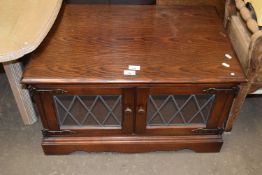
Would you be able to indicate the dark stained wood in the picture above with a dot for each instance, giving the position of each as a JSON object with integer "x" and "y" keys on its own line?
{"x": 180, "y": 50}
{"x": 132, "y": 144}
{"x": 50, "y": 119}
{"x": 129, "y": 110}
{"x": 228, "y": 98}
{"x": 219, "y": 112}
{"x": 136, "y": 2}
{"x": 141, "y": 109}
{"x": 48, "y": 109}
{"x": 135, "y": 99}
{"x": 43, "y": 116}
{"x": 171, "y": 130}
{"x": 95, "y": 43}
{"x": 221, "y": 109}
{"x": 114, "y": 88}
{"x": 218, "y": 4}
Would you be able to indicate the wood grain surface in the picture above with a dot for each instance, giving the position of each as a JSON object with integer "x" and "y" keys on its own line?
{"x": 96, "y": 43}
{"x": 132, "y": 144}
{"x": 218, "y": 4}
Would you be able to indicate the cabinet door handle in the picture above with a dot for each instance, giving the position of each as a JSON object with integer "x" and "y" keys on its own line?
{"x": 141, "y": 110}
{"x": 128, "y": 110}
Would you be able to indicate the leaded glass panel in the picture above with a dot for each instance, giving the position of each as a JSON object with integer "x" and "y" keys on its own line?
{"x": 164, "y": 110}
{"x": 93, "y": 111}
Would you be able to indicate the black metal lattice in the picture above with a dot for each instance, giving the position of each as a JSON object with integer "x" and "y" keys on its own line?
{"x": 96, "y": 111}
{"x": 179, "y": 109}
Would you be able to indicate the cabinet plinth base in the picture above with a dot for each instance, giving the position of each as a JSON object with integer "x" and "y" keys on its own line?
{"x": 132, "y": 144}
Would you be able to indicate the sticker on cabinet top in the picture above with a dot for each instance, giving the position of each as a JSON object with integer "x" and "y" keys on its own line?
{"x": 129, "y": 72}
{"x": 133, "y": 67}
{"x": 228, "y": 56}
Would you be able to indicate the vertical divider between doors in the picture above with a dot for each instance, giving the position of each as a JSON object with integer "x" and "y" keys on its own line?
{"x": 128, "y": 110}
{"x": 141, "y": 109}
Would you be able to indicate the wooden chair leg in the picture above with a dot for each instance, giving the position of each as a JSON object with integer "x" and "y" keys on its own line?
{"x": 24, "y": 103}
{"x": 237, "y": 105}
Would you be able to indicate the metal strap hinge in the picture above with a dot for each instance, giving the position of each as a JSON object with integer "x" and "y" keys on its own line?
{"x": 33, "y": 90}
{"x": 215, "y": 90}
{"x": 47, "y": 132}
{"x": 216, "y": 131}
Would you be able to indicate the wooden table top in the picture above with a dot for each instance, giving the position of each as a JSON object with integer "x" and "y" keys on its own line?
{"x": 96, "y": 43}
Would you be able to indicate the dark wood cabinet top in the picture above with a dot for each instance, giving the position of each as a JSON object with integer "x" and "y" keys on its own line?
{"x": 96, "y": 43}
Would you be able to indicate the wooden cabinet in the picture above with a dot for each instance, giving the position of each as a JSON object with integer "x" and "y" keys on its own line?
{"x": 88, "y": 110}
{"x": 179, "y": 99}
{"x": 124, "y": 113}
{"x": 182, "y": 110}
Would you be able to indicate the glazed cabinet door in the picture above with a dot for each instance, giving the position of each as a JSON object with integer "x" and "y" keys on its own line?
{"x": 182, "y": 110}
{"x": 86, "y": 111}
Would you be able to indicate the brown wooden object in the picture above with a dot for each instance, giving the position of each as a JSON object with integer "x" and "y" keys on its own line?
{"x": 218, "y": 4}
{"x": 247, "y": 42}
{"x": 179, "y": 99}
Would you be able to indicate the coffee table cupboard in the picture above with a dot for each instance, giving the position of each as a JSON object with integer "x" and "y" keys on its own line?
{"x": 179, "y": 99}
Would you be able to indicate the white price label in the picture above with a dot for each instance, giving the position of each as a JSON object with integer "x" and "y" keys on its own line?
{"x": 129, "y": 72}
{"x": 226, "y": 65}
{"x": 133, "y": 67}
{"x": 228, "y": 56}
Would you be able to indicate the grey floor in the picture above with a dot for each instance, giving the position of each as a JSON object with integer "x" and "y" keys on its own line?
{"x": 21, "y": 154}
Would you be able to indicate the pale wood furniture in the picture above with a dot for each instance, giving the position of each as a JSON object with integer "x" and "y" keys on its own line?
{"x": 246, "y": 39}
{"x": 14, "y": 70}
{"x": 23, "y": 25}
{"x": 179, "y": 99}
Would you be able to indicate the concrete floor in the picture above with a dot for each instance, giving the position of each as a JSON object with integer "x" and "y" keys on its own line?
{"x": 21, "y": 153}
